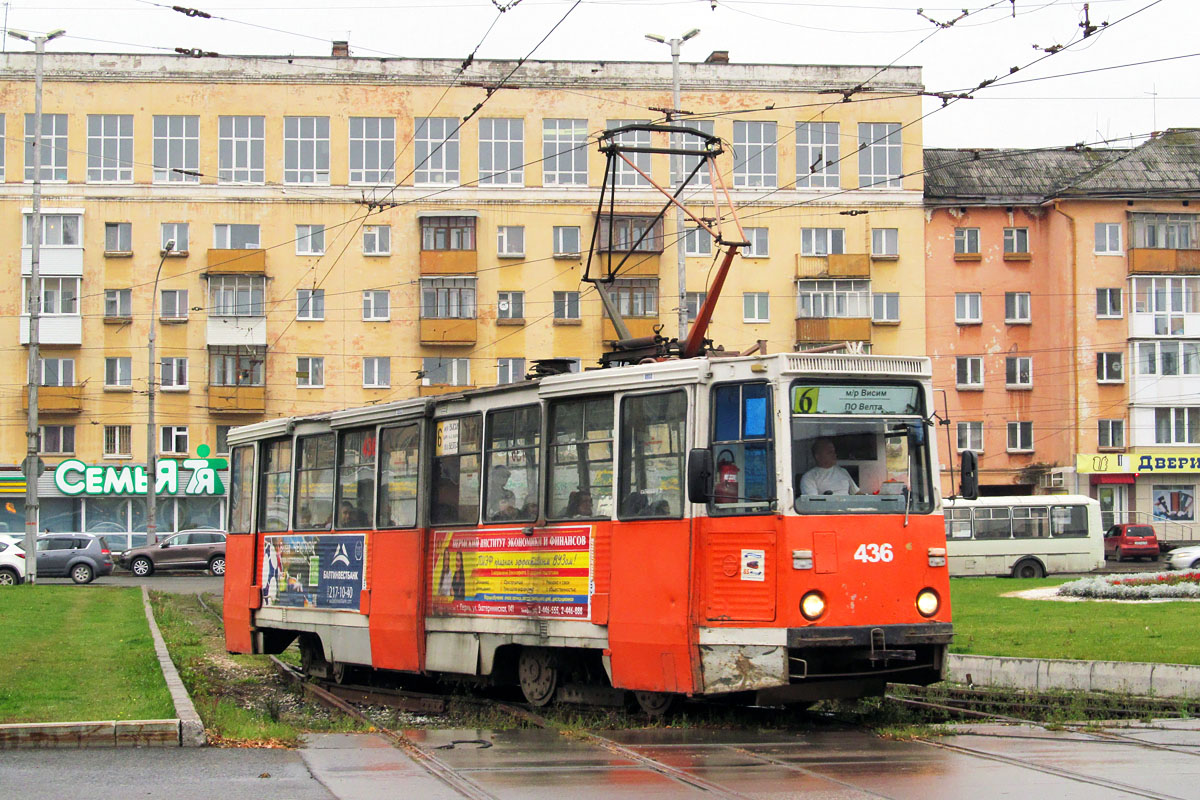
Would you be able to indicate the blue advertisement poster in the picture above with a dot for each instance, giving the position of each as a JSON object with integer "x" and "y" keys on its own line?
{"x": 314, "y": 571}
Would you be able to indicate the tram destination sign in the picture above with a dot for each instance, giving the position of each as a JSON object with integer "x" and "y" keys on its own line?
{"x": 855, "y": 399}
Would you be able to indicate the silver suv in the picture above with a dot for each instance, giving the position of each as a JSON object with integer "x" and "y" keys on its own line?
{"x": 78, "y": 556}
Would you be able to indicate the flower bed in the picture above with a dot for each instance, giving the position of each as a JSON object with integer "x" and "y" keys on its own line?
{"x": 1146, "y": 586}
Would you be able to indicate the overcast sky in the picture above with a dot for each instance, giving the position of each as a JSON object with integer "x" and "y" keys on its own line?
{"x": 1111, "y": 104}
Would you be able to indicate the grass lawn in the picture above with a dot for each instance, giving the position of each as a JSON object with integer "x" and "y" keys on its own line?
{"x": 987, "y": 624}
{"x": 74, "y": 653}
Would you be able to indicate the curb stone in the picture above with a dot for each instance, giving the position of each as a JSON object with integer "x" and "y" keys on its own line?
{"x": 191, "y": 728}
{"x": 1131, "y": 677}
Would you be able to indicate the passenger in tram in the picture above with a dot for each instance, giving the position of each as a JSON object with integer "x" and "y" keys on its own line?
{"x": 500, "y": 498}
{"x": 350, "y": 517}
{"x": 579, "y": 504}
{"x": 827, "y": 477}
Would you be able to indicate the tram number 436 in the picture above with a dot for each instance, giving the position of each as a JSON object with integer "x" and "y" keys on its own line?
{"x": 873, "y": 553}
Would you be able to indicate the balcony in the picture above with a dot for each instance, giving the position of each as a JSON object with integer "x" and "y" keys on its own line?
{"x": 237, "y": 262}
{"x": 449, "y": 262}
{"x": 638, "y": 327}
{"x": 53, "y": 261}
{"x": 237, "y": 332}
{"x": 55, "y": 330}
{"x": 836, "y": 265}
{"x": 237, "y": 399}
{"x": 56, "y": 400}
{"x": 448, "y": 331}
{"x": 1162, "y": 260}
{"x": 833, "y": 329}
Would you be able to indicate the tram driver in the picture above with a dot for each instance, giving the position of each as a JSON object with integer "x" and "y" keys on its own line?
{"x": 827, "y": 477}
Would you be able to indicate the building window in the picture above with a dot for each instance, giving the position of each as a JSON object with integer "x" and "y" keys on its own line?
{"x": 241, "y": 150}
{"x": 58, "y": 230}
{"x": 1017, "y": 308}
{"x": 822, "y": 241}
{"x": 564, "y": 152}
{"x": 235, "y": 237}
{"x": 1168, "y": 358}
{"x": 56, "y": 439}
{"x": 501, "y": 152}
{"x": 510, "y": 241}
{"x": 969, "y": 372}
{"x": 833, "y": 298}
{"x": 818, "y": 155}
{"x": 1111, "y": 434}
{"x": 372, "y": 150}
{"x": 110, "y": 148}
{"x": 759, "y": 240}
{"x": 693, "y": 301}
{"x": 118, "y": 237}
{"x": 635, "y": 297}
{"x": 58, "y": 372}
{"x": 885, "y": 242}
{"x": 447, "y": 233}
{"x": 885, "y": 307}
{"x": 1177, "y": 425}
{"x": 566, "y": 305}
{"x": 566, "y": 241}
{"x": 1018, "y": 372}
{"x": 306, "y": 150}
{"x": 1020, "y": 437}
{"x": 236, "y": 366}
{"x": 118, "y": 441}
{"x": 310, "y": 372}
{"x": 436, "y": 143}
{"x": 697, "y": 242}
{"x": 510, "y": 305}
{"x": 1165, "y": 231}
{"x": 222, "y": 446}
{"x": 682, "y": 166}
{"x": 176, "y": 232}
{"x": 118, "y": 372}
{"x": 1108, "y": 367}
{"x": 118, "y": 303}
{"x": 966, "y": 241}
{"x": 235, "y": 295}
{"x": 879, "y": 155}
{"x": 173, "y": 439}
{"x": 377, "y": 240}
{"x": 754, "y": 154}
{"x": 510, "y": 370}
{"x": 756, "y": 307}
{"x": 1108, "y": 303}
{"x": 621, "y": 234}
{"x": 1016, "y": 241}
{"x": 174, "y": 373}
{"x": 310, "y": 240}
{"x": 970, "y": 436}
{"x": 377, "y": 372}
{"x": 3, "y": 137}
{"x": 623, "y": 174}
{"x": 445, "y": 371}
{"x": 376, "y": 306}
{"x": 176, "y": 149}
{"x": 968, "y": 308}
{"x": 447, "y": 298}
{"x": 310, "y": 304}
{"x": 60, "y": 297}
{"x": 174, "y": 304}
{"x": 54, "y": 147}
{"x": 1108, "y": 238}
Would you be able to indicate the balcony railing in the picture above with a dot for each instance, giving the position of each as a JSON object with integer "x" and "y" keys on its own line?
{"x": 56, "y": 400}
{"x": 237, "y": 399}
{"x": 1163, "y": 260}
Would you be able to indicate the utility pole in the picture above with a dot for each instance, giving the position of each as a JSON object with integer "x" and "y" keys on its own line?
{"x": 151, "y": 453}
{"x": 677, "y": 169}
{"x": 34, "y": 301}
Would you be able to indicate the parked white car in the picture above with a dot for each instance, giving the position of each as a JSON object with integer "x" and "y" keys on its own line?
{"x": 12, "y": 564}
{"x": 1184, "y": 557}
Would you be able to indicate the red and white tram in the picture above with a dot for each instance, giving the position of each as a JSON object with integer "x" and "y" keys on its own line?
{"x": 641, "y": 528}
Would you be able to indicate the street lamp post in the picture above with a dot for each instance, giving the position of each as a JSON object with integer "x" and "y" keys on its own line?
{"x": 34, "y": 302}
{"x": 677, "y": 170}
{"x": 151, "y": 455}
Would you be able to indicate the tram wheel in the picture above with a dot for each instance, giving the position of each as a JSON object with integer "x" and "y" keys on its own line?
{"x": 655, "y": 704}
{"x": 537, "y": 669}
{"x": 338, "y": 672}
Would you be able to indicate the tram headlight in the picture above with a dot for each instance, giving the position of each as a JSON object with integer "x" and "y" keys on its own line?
{"x": 928, "y": 602}
{"x": 812, "y": 605}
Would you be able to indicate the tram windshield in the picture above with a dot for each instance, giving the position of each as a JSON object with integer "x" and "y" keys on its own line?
{"x": 859, "y": 448}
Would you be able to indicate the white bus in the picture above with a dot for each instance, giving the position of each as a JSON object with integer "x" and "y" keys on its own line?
{"x": 1025, "y": 537}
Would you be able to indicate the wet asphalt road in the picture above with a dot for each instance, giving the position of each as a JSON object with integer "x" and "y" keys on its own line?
{"x": 180, "y": 582}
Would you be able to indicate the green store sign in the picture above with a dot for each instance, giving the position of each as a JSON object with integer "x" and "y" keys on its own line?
{"x": 73, "y": 477}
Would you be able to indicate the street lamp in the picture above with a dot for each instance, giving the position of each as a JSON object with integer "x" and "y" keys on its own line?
{"x": 34, "y": 301}
{"x": 151, "y": 454}
{"x": 677, "y": 169}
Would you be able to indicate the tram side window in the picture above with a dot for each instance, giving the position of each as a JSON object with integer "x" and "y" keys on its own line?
{"x": 241, "y": 489}
{"x": 1067, "y": 521}
{"x": 275, "y": 491}
{"x": 314, "y": 482}
{"x": 356, "y": 479}
{"x": 992, "y": 523}
{"x": 513, "y": 441}
{"x": 650, "y": 472}
{"x": 456, "y": 471}
{"x": 399, "y": 465}
{"x": 1031, "y": 522}
{"x": 581, "y": 458}
{"x": 742, "y": 449}
{"x": 958, "y": 523}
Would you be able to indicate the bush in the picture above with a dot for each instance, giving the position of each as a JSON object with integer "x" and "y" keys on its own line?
{"x": 1151, "y": 586}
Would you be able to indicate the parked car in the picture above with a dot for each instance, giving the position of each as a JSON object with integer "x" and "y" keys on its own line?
{"x": 1131, "y": 541}
{"x": 78, "y": 556}
{"x": 197, "y": 549}
{"x": 12, "y": 564}
{"x": 1184, "y": 557}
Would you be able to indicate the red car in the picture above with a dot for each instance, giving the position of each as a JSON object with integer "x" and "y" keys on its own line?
{"x": 1131, "y": 541}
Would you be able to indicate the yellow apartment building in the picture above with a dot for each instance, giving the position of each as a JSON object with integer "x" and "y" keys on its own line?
{"x": 350, "y": 231}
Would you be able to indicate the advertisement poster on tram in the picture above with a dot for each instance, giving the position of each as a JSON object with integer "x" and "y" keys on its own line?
{"x": 506, "y": 573}
{"x": 314, "y": 571}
